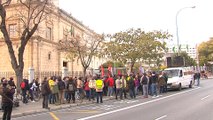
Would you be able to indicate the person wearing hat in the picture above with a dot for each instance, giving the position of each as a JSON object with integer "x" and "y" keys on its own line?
{"x": 7, "y": 99}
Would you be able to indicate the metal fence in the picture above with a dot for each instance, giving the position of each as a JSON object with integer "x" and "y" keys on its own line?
{"x": 42, "y": 74}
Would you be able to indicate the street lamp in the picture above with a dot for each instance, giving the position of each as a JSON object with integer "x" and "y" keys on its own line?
{"x": 178, "y": 44}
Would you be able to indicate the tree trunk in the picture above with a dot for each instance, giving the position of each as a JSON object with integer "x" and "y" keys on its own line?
{"x": 84, "y": 71}
{"x": 19, "y": 76}
{"x": 131, "y": 67}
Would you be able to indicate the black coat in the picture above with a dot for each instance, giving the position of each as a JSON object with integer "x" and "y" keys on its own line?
{"x": 45, "y": 89}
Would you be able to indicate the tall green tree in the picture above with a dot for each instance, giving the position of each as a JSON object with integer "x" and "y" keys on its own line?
{"x": 135, "y": 45}
{"x": 205, "y": 50}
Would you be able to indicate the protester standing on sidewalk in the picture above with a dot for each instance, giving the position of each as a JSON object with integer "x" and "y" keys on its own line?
{"x": 145, "y": 82}
{"x": 118, "y": 84}
{"x": 61, "y": 87}
{"x": 7, "y": 99}
{"x": 137, "y": 84}
{"x": 71, "y": 88}
{"x": 124, "y": 86}
{"x": 131, "y": 85}
{"x": 99, "y": 89}
{"x": 87, "y": 88}
{"x": 45, "y": 91}
{"x": 92, "y": 86}
{"x": 161, "y": 83}
{"x": 110, "y": 86}
{"x": 154, "y": 80}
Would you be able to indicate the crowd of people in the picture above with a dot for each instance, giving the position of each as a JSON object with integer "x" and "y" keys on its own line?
{"x": 56, "y": 90}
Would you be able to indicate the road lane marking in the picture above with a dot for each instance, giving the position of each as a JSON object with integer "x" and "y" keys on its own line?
{"x": 54, "y": 116}
{"x": 161, "y": 117}
{"x": 205, "y": 97}
{"x": 133, "y": 106}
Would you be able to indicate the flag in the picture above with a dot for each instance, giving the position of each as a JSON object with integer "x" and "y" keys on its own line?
{"x": 141, "y": 70}
{"x": 102, "y": 71}
{"x": 173, "y": 49}
{"x": 109, "y": 69}
{"x": 119, "y": 72}
{"x": 179, "y": 47}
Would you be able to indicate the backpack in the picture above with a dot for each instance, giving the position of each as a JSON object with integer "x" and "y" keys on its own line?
{"x": 144, "y": 80}
{"x": 23, "y": 85}
{"x": 61, "y": 85}
{"x": 99, "y": 84}
{"x": 70, "y": 87}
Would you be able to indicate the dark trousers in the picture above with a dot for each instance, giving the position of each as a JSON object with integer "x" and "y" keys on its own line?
{"x": 24, "y": 94}
{"x": 99, "y": 95}
{"x": 132, "y": 92}
{"x": 119, "y": 93}
{"x": 7, "y": 109}
{"x": 45, "y": 101}
{"x": 92, "y": 93}
{"x": 71, "y": 95}
{"x": 124, "y": 92}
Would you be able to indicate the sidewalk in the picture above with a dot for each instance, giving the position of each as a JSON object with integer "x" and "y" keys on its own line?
{"x": 36, "y": 107}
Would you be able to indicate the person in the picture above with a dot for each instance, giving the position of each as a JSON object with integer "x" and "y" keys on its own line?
{"x": 87, "y": 88}
{"x": 61, "y": 87}
{"x": 145, "y": 82}
{"x": 51, "y": 84}
{"x": 137, "y": 84}
{"x": 161, "y": 83}
{"x": 33, "y": 88}
{"x": 92, "y": 87}
{"x": 7, "y": 99}
{"x": 110, "y": 86}
{"x": 45, "y": 91}
{"x": 198, "y": 78}
{"x": 118, "y": 84}
{"x": 131, "y": 86}
{"x": 166, "y": 80}
{"x": 71, "y": 88}
{"x": 124, "y": 86}
{"x": 25, "y": 88}
{"x": 99, "y": 89}
{"x": 153, "y": 80}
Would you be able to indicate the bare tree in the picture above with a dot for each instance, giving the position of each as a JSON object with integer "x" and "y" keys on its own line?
{"x": 30, "y": 14}
{"x": 84, "y": 48}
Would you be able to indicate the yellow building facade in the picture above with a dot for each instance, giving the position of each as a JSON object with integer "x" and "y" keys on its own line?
{"x": 41, "y": 53}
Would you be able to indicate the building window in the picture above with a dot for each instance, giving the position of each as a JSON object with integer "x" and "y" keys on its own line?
{"x": 64, "y": 64}
{"x": 48, "y": 33}
{"x": 49, "y": 56}
{"x": 72, "y": 31}
{"x": 12, "y": 30}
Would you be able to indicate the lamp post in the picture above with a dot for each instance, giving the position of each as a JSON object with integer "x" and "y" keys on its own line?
{"x": 178, "y": 44}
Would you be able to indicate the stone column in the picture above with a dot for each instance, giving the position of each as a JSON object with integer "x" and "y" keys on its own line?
{"x": 31, "y": 74}
{"x": 64, "y": 72}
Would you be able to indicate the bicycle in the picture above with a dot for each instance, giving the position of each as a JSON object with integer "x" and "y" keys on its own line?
{"x": 80, "y": 95}
{"x": 36, "y": 95}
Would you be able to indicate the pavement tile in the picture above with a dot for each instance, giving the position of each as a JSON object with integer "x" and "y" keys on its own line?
{"x": 36, "y": 107}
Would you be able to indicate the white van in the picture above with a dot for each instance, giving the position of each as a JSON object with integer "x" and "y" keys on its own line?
{"x": 179, "y": 77}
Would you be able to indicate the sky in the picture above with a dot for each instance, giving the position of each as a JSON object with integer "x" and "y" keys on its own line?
{"x": 111, "y": 16}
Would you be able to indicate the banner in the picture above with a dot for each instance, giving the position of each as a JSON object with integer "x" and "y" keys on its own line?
{"x": 102, "y": 71}
{"x": 110, "y": 69}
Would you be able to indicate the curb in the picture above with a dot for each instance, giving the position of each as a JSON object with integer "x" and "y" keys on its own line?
{"x": 55, "y": 108}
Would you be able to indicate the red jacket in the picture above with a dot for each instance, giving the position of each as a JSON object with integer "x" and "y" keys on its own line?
{"x": 111, "y": 82}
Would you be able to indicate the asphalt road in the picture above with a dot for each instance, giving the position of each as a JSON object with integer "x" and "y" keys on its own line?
{"x": 189, "y": 104}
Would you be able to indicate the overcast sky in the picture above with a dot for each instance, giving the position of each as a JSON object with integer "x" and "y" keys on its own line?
{"x": 111, "y": 16}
